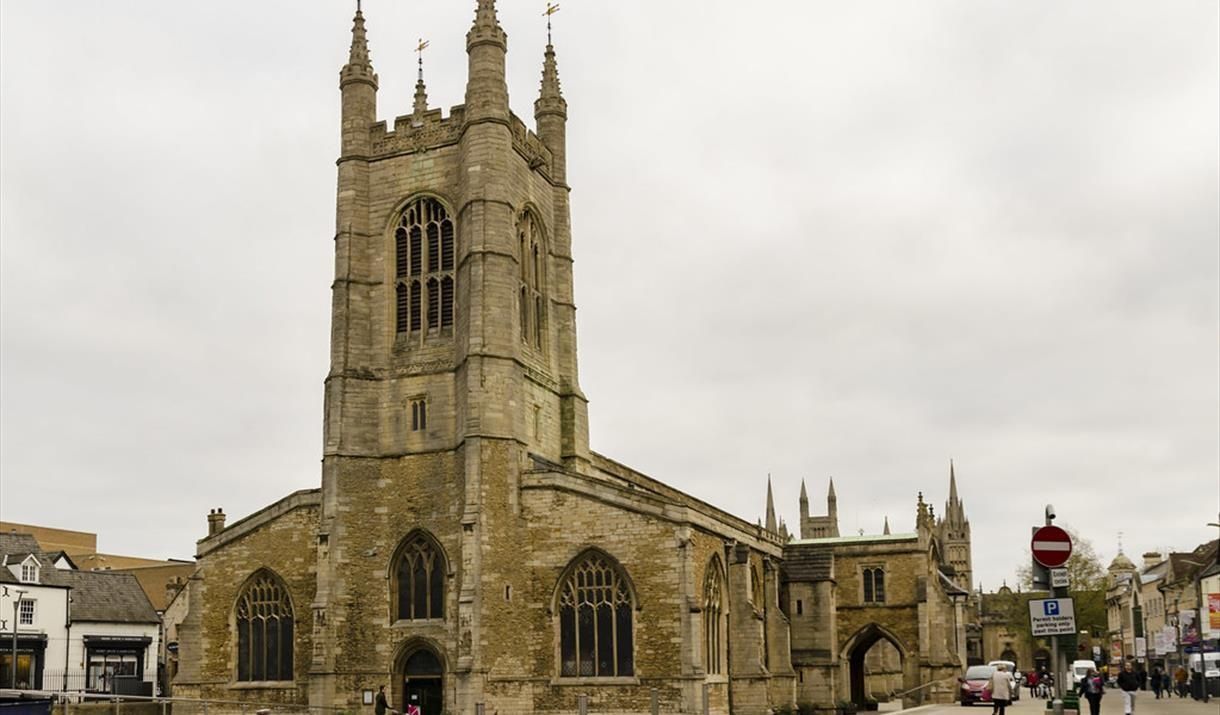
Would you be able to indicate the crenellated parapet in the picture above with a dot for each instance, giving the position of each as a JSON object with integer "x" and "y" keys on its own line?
{"x": 414, "y": 133}
{"x": 530, "y": 147}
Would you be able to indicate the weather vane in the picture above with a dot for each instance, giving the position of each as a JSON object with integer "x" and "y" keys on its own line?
{"x": 550, "y": 10}
{"x": 419, "y": 50}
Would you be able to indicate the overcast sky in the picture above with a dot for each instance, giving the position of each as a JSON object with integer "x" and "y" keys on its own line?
{"x": 812, "y": 239}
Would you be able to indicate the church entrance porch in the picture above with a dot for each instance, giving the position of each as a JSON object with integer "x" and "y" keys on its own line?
{"x": 422, "y": 683}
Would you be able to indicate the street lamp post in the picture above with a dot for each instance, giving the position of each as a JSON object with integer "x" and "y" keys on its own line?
{"x": 17, "y": 594}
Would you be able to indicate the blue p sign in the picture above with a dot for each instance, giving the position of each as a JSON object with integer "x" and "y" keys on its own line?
{"x": 1051, "y": 608}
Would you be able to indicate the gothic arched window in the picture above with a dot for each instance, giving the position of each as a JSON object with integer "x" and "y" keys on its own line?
{"x": 419, "y": 579}
{"x": 264, "y": 630}
{"x": 424, "y": 267}
{"x": 874, "y": 585}
{"x": 713, "y": 617}
{"x": 595, "y": 619}
{"x": 531, "y": 256}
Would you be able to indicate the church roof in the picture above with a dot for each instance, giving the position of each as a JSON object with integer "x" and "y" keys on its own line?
{"x": 808, "y": 564}
{"x": 861, "y": 539}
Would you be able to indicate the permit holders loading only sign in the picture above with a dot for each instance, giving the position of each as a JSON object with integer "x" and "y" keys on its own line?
{"x": 1052, "y": 617}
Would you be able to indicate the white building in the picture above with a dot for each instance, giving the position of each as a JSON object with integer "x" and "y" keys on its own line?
{"x": 76, "y": 630}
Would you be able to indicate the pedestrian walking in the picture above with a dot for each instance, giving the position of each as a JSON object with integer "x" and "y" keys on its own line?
{"x": 1001, "y": 689}
{"x": 1180, "y": 676}
{"x": 1092, "y": 687}
{"x": 1128, "y": 682}
{"x": 1142, "y": 675}
{"x": 380, "y": 706}
{"x": 1156, "y": 681}
{"x": 1167, "y": 683}
{"x": 1032, "y": 681}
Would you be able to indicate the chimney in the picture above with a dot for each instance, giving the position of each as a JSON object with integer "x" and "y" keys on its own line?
{"x": 1151, "y": 558}
{"x": 216, "y": 521}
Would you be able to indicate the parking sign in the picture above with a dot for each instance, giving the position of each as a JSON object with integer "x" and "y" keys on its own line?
{"x": 1052, "y": 617}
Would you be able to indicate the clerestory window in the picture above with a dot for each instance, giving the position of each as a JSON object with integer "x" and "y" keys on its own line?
{"x": 424, "y": 268}
{"x": 531, "y": 258}
{"x": 264, "y": 630}
{"x": 595, "y": 619}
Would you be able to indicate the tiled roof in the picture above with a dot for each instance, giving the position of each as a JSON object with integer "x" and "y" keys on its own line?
{"x": 97, "y": 596}
{"x": 102, "y": 596}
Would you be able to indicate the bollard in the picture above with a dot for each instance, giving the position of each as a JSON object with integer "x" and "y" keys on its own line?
{"x": 582, "y": 704}
{"x": 654, "y": 702}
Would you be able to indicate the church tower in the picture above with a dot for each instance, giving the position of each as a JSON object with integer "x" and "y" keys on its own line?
{"x": 453, "y": 350}
{"x": 953, "y": 532}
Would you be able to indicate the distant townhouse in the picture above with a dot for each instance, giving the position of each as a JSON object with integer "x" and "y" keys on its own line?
{"x": 76, "y": 630}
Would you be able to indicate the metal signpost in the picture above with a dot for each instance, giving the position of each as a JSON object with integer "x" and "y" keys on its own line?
{"x": 1051, "y": 548}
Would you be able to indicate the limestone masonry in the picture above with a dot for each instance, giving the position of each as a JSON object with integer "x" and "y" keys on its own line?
{"x": 466, "y": 547}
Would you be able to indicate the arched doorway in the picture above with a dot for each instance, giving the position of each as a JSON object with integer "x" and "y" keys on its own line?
{"x": 423, "y": 680}
{"x": 1042, "y": 660}
{"x": 875, "y": 675}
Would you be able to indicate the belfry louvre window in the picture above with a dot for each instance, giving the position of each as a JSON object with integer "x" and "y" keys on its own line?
{"x": 424, "y": 264}
{"x": 420, "y": 579}
{"x": 874, "y": 585}
{"x": 264, "y": 630}
{"x": 531, "y": 255}
{"x": 713, "y": 614}
{"x": 595, "y": 620}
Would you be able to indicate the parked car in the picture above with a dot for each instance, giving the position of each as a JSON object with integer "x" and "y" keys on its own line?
{"x": 1014, "y": 676}
{"x": 976, "y": 685}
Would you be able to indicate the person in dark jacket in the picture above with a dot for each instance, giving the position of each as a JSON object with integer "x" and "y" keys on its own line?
{"x": 1128, "y": 682}
{"x": 1156, "y": 681}
{"x": 381, "y": 707}
{"x": 1092, "y": 687}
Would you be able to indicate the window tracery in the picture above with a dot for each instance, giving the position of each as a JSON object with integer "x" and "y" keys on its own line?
{"x": 420, "y": 579}
{"x": 264, "y": 630}
{"x": 424, "y": 267}
{"x": 531, "y": 254}
{"x": 713, "y": 614}
{"x": 595, "y": 620}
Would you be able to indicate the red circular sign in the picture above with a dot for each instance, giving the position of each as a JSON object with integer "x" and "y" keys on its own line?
{"x": 1051, "y": 546}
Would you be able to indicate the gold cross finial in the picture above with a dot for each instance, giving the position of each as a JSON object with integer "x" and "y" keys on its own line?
{"x": 551, "y": 9}
{"x": 419, "y": 50}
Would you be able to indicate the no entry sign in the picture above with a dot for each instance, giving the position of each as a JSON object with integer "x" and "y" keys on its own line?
{"x": 1051, "y": 546}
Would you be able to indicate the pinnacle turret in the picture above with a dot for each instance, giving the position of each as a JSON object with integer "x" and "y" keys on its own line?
{"x": 886, "y": 530}
{"x": 486, "y": 46}
{"x": 486, "y": 25}
{"x": 359, "y": 67}
{"x": 358, "y": 55}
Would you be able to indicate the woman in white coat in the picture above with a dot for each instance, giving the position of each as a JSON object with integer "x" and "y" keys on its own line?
{"x": 1001, "y": 689}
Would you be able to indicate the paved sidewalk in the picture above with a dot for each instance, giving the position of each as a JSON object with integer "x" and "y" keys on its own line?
{"x": 1111, "y": 704}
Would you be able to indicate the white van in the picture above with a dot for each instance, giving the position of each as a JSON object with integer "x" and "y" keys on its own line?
{"x": 1213, "y": 664}
{"x": 1080, "y": 668}
{"x": 1014, "y": 676}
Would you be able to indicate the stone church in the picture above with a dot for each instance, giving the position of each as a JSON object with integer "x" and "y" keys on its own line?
{"x": 466, "y": 548}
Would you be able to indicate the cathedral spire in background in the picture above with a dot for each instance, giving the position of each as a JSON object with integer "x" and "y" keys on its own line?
{"x": 886, "y": 530}
{"x": 771, "y": 525}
